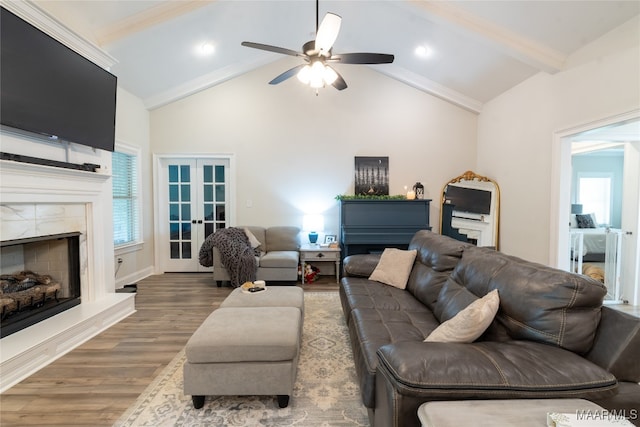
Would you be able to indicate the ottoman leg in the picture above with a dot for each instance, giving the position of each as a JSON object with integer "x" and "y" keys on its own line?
{"x": 283, "y": 400}
{"x": 198, "y": 401}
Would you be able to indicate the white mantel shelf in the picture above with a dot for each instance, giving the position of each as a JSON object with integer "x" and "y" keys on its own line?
{"x": 26, "y": 351}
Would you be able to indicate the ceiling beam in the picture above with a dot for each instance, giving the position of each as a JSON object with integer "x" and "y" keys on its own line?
{"x": 146, "y": 19}
{"x": 526, "y": 50}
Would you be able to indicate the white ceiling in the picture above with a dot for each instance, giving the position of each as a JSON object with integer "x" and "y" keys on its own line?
{"x": 479, "y": 48}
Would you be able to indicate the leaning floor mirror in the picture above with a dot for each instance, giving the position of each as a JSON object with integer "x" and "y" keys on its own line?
{"x": 471, "y": 210}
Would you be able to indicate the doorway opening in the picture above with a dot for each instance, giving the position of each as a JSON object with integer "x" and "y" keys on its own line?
{"x": 595, "y": 214}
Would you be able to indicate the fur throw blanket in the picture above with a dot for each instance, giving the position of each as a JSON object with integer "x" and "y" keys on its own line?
{"x": 236, "y": 253}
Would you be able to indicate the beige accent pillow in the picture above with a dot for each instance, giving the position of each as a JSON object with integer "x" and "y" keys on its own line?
{"x": 394, "y": 267}
{"x": 253, "y": 240}
{"x": 470, "y": 323}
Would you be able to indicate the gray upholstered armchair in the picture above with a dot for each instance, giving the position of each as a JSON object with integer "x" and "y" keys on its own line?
{"x": 278, "y": 254}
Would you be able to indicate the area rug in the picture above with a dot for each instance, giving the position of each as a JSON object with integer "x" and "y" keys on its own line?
{"x": 326, "y": 392}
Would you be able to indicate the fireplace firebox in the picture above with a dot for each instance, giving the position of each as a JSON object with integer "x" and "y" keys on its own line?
{"x": 40, "y": 277}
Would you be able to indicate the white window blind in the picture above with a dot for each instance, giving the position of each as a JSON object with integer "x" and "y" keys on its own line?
{"x": 594, "y": 193}
{"x": 126, "y": 218}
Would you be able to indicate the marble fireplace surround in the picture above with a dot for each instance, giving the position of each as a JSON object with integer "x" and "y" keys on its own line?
{"x": 40, "y": 200}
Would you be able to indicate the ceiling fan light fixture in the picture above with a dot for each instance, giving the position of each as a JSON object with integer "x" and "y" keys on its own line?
{"x": 304, "y": 75}
{"x": 316, "y": 80}
{"x": 329, "y": 75}
{"x": 317, "y": 75}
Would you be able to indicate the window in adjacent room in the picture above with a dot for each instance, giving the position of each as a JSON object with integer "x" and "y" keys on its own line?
{"x": 125, "y": 170}
{"x": 594, "y": 193}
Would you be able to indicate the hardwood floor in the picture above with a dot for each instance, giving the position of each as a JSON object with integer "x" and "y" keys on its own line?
{"x": 95, "y": 383}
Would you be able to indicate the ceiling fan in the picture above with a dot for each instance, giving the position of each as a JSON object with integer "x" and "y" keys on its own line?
{"x": 316, "y": 71}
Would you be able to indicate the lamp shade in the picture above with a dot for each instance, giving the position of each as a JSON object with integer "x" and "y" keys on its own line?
{"x": 313, "y": 223}
{"x": 576, "y": 208}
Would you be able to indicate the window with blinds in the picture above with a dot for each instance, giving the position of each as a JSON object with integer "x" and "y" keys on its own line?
{"x": 126, "y": 209}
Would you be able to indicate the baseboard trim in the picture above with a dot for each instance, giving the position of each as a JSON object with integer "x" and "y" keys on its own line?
{"x": 134, "y": 277}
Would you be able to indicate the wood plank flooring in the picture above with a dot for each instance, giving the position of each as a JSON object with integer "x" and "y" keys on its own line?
{"x": 95, "y": 383}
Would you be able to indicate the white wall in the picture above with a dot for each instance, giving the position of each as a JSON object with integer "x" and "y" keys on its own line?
{"x": 132, "y": 128}
{"x": 295, "y": 151}
{"x": 515, "y": 131}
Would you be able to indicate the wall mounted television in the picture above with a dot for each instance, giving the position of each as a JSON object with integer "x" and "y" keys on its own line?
{"x": 469, "y": 199}
{"x": 49, "y": 89}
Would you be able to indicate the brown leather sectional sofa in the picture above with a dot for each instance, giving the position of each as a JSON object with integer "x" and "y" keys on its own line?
{"x": 551, "y": 337}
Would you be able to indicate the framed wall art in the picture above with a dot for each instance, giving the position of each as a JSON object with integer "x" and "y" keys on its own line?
{"x": 372, "y": 176}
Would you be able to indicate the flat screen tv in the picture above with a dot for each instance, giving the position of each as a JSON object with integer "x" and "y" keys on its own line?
{"x": 469, "y": 199}
{"x": 49, "y": 89}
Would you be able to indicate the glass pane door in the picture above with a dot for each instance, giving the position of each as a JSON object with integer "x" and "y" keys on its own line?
{"x": 180, "y": 189}
{"x": 195, "y": 194}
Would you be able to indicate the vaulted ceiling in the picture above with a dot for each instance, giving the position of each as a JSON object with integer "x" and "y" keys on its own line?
{"x": 472, "y": 51}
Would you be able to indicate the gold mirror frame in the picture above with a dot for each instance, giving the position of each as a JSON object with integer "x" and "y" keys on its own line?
{"x": 472, "y": 176}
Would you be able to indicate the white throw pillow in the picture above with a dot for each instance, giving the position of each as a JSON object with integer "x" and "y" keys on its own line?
{"x": 394, "y": 267}
{"x": 253, "y": 240}
{"x": 470, "y": 323}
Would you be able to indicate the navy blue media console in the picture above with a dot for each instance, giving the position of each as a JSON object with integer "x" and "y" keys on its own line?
{"x": 369, "y": 226}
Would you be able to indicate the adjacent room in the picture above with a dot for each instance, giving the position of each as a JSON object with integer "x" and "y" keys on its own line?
{"x": 257, "y": 212}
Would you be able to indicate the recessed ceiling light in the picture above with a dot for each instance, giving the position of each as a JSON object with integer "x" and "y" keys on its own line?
{"x": 205, "y": 49}
{"x": 423, "y": 51}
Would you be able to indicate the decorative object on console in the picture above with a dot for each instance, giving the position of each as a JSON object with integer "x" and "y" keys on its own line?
{"x": 411, "y": 194}
{"x": 418, "y": 189}
{"x": 471, "y": 209}
{"x": 372, "y": 175}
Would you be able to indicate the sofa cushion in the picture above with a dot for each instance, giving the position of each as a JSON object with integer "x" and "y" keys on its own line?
{"x": 279, "y": 259}
{"x": 394, "y": 267}
{"x": 372, "y": 328}
{"x": 282, "y": 238}
{"x": 360, "y": 265}
{"x": 358, "y": 292}
{"x": 513, "y": 369}
{"x": 436, "y": 257}
{"x": 253, "y": 240}
{"x": 537, "y": 303}
{"x": 259, "y": 233}
{"x": 470, "y": 323}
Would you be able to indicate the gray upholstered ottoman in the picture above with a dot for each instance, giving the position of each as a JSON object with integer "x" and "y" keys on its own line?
{"x": 273, "y": 296}
{"x": 244, "y": 351}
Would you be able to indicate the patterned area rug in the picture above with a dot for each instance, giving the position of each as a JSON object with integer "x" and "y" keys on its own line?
{"x": 326, "y": 392}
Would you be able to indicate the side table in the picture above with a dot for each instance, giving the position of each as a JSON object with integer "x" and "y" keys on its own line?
{"x": 316, "y": 253}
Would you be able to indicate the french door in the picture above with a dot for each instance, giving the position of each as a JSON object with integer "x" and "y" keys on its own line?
{"x": 193, "y": 200}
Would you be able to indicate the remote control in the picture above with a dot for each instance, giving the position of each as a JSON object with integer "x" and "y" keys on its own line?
{"x": 256, "y": 289}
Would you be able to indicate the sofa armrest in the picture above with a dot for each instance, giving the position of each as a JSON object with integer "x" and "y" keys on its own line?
{"x": 361, "y": 265}
{"x": 617, "y": 344}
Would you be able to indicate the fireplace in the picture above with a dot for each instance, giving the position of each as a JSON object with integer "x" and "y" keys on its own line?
{"x": 40, "y": 277}
{"x": 42, "y": 201}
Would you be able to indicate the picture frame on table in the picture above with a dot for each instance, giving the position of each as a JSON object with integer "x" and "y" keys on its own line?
{"x": 330, "y": 238}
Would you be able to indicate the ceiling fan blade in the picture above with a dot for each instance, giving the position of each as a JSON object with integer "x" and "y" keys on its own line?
{"x": 275, "y": 49}
{"x": 287, "y": 74}
{"x": 339, "y": 82}
{"x": 328, "y": 32}
{"x": 362, "y": 58}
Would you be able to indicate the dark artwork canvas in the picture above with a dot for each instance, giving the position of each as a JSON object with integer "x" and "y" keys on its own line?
{"x": 372, "y": 176}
